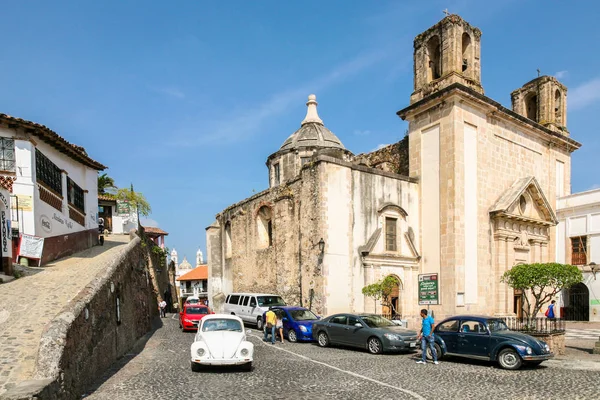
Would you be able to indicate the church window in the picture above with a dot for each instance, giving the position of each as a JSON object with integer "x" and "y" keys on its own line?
{"x": 558, "y": 107}
{"x": 228, "y": 250}
{"x": 531, "y": 107}
{"x": 466, "y": 51}
{"x": 578, "y": 250}
{"x": 75, "y": 195}
{"x": 390, "y": 234}
{"x": 264, "y": 224}
{"x": 435, "y": 59}
{"x": 522, "y": 204}
{"x": 276, "y": 174}
{"x": 7, "y": 154}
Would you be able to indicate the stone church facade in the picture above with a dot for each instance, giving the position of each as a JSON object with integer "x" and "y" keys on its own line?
{"x": 469, "y": 193}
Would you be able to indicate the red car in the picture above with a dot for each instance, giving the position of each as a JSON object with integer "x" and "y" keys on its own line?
{"x": 191, "y": 316}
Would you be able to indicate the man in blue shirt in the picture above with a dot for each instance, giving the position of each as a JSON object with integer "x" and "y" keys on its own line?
{"x": 426, "y": 337}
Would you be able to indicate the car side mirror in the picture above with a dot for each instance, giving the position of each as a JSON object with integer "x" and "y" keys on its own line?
{"x": 358, "y": 325}
{"x": 284, "y": 319}
{"x": 180, "y": 312}
{"x": 318, "y": 317}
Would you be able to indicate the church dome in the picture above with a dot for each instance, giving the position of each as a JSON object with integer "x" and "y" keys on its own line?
{"x": 312, "y": 132}
{"x": 185, "y": 264}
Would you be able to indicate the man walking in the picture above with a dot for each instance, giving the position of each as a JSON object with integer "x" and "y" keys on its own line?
{"x": 426, "y": 337}
{"x": 163, "y": 308}
{"x": 270, "y": 321}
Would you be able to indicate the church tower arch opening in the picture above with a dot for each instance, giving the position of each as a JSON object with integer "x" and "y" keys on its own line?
{"x": 467, "y": 52}
{"x": 435, "y": 59}
{"x": 264, "y": 226}
{"x": 531, "y": 106}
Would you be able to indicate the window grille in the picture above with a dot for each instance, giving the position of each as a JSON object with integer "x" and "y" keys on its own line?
{"x": 75, "y": 195}
{"x": 390, "y": 234}
{"x": 578, "y": 250}
{"x": 7, "y": 154}
{"x": 47, "y": 172}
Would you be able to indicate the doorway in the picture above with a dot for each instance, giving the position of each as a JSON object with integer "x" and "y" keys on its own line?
{"x": 577, "y": 307}
{"x": 518, "y": 303}
{"x": 105, "y": 212}
{"x": 393, "y": 305}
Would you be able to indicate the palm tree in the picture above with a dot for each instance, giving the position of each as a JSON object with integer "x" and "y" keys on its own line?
{"x": 105, "y": 182}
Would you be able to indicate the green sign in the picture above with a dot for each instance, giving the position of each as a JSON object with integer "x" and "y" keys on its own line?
{"x": 122, "y": 207}
{"x": 428, "y": 289}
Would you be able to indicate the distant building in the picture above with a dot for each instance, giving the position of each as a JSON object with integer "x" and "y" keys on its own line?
{"x": 194, "y": 283}
{"x": 157, "y": 235}
{"x": 48, "y": 189}
{"x": 119, "y": 217}
{"x": 578, "y": 243}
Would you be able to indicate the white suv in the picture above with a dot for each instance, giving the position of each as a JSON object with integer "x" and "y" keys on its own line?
{"x": 251, "y": 306}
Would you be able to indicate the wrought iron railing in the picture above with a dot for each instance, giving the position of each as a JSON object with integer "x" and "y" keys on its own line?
{"x": 536, "y": 325}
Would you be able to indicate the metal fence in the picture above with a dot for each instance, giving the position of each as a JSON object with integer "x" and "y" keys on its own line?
{"x": 536, "y": 325}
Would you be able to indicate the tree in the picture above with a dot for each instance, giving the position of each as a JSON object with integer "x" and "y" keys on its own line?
{"x": 542, "y": 281}
{"x": 135, "y": 199}
{"x": 382, "y": 290}
{"x": 105, "y": 182}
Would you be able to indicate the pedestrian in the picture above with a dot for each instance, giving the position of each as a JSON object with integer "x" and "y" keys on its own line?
{"x": 163, "y": 308}
{"x": 270, "y": 321}
{"x": 426, "y": 337}
{"x": 550, "y": 310}
{"x": 279, "y": 327}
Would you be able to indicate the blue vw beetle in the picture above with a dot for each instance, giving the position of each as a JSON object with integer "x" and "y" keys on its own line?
{"x": 297, "y": 322}
{"x": 488, "y": 338}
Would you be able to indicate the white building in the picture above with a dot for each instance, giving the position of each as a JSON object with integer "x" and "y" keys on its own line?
{"x": 51, "y": 189}
{"x": 119, "y": 217}
{"x": 578, "y": 243}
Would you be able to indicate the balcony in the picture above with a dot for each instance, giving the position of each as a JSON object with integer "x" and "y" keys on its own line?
{"x": 199, "y": 292}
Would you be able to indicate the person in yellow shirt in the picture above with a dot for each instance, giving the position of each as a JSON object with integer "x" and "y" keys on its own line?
{"x": 270, "y": 321}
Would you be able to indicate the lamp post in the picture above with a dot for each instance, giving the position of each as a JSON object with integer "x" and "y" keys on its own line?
{"x": 595, "y": 268}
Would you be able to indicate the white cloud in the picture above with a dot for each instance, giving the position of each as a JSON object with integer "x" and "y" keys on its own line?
{"x": 561, "y": 74}
{"x": 148, "y": 222}
{"x": 359, "y": 132}
{"x": 594, "y": 186}
{"x": 585, "y": 94}
{"x": 248, "y": 123}
{"x": 169, "y": 91}
{"x": 379, "y": 147}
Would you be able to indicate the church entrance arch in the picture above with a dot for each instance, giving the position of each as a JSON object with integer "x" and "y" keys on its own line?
{"x": 577, "y": 307}
{"x": 392, "y": 299}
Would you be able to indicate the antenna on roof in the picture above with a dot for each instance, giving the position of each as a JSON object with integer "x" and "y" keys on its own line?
{"x": 538, "y": 70}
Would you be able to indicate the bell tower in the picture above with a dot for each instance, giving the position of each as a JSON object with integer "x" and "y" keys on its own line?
{"x": 446, "y": 53}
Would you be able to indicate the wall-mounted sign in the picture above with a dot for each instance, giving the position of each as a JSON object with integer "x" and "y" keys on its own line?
{"x": 428, "y": 289}
{"x": 4, "y": 200}
{"x": 24, "y": 203}
{"x": 123, "y": 207}
{"x": 46, "y": 223}
{"x": 31, "y": 246}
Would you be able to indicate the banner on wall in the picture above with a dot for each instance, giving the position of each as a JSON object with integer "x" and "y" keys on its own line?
{"x": 31, "y": 246}
{"x": 122, "y": 207}
{"x": 25, "y": 203}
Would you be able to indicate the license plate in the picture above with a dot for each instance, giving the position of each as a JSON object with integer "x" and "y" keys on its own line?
{"x": 413, "y": 344}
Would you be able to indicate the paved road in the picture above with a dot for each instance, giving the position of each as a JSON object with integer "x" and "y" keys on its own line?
{"x": 305, "y": 371}
{"x": 27, "y": 305}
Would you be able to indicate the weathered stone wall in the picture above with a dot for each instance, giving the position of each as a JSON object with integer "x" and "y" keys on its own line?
{"x": 95, "y": 329}
{"x": 393, "y": 158}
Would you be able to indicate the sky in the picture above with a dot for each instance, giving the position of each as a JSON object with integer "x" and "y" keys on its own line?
{"x": 186, "y": 100}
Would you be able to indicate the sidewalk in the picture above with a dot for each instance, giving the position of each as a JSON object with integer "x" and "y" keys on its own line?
{"x": 29, "y": 303}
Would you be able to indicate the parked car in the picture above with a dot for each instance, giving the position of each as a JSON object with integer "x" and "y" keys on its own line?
{"x": 192, "y": 300}
{"x": 297, "y": 322}
{"x": 191, "y": 316}
{"x": 221, "y": 340}
{"x": 367, "y": 331}
{"x": 488, "y": 338}
{"x": 251, "y": 306}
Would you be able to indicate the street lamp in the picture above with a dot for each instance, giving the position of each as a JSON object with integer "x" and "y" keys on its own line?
{"x": 595, "y": 268}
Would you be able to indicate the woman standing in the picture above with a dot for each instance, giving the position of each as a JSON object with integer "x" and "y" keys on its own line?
{"x": 279, "y": 326}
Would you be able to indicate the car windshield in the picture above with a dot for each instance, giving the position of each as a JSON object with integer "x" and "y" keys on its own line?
{"x": 197, "y": 310}
{"x": 303, "y": 315}
{"x": 267, "y": 301}
{"x": 376, "y": 321}
{"x": 224, "y": 324}
{"x": 497, "y": 325}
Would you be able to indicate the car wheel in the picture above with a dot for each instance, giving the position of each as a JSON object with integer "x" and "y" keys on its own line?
{"x": 323, "y": 339}
{"x": 509, "y": 359}
{"x": 374, "y": 346}
{"x": 196, "y": 367}
{"x": 292, "y": 337}
{"x": 438, "y": 352}
{"x": 247, "y": 367}
{"x": 259, "y": 323}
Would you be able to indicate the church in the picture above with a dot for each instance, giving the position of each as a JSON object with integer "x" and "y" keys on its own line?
{"x": 470, "y": 192}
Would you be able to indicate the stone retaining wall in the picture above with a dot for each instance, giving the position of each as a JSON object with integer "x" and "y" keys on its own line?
{"x": 95, "y": 329}
{"x": 556, "y": 342}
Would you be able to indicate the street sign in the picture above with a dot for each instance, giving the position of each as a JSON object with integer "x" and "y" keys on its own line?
{"x": 428, "y": 289}
{"x": 123, "y": 207}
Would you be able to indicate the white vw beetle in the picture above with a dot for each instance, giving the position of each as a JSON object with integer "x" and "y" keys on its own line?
{"x": 221, "y": 340}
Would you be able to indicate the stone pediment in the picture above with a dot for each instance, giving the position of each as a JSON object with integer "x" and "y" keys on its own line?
{"x": 370, "y": 254}
{"x": 525, "y": 201}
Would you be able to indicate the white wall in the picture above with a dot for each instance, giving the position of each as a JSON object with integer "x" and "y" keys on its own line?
{"x": 470, "y": 214}
{"x": 430, "y": 199}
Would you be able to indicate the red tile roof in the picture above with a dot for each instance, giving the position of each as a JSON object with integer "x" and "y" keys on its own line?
{"x": 151, "y": 230}
{"x": 197, "y": 274}
{"x": 77, "y": 153}
{"x": 106, "y": 197}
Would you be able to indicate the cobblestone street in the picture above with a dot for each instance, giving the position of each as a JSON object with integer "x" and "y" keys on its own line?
{"x": 162, "y": 371}
{"x": 28, "y": 304}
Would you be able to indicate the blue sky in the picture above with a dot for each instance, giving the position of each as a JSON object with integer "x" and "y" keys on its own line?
{"x": 188, "y": 100}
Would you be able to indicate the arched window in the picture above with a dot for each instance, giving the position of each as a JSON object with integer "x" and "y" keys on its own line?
{"x": 264, "y": 224}
{"x": 434, "y": 70}
{"x": 228, "y": 250}
{"x": 467, "y": 50}
{"x": 558, "y": 107}
{"x": 531, "y": 107}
